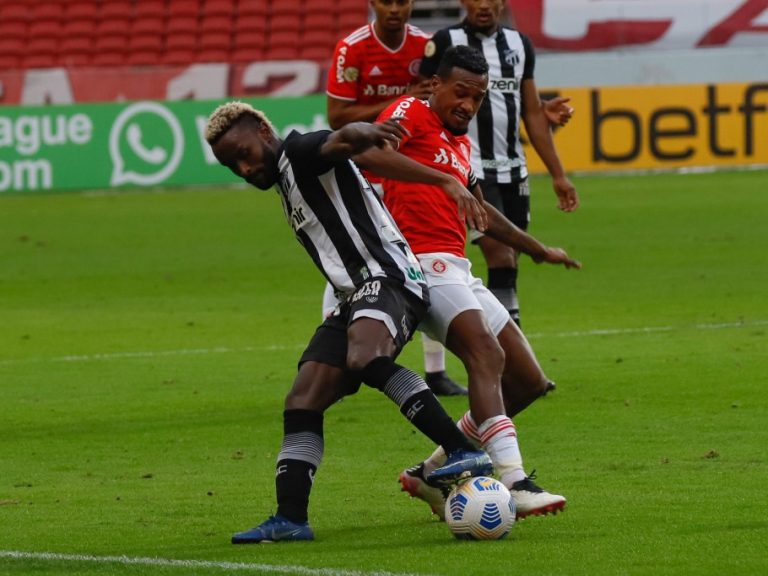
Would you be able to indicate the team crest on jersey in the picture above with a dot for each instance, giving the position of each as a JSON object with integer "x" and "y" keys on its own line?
{"x": 429, "y": 49}
{"x": 439, "y": 266}
{"x": 511, "y": 57}
{"x": 464, "y": 150}
{"x": 413, "y": 67}
{"x": 351, "y": 74}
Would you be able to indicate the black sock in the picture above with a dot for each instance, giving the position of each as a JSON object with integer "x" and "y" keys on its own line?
{"x": 299, "y": 458}
{"x": 416, "y": 401}
{"x": 502, "y": 282}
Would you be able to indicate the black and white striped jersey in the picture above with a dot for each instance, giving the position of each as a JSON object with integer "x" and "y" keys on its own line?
{"x": 340, "y": 220}
{"x": 497, "y": 152}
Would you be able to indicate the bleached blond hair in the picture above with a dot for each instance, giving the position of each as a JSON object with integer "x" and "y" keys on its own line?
{"x": 227, "y": 114}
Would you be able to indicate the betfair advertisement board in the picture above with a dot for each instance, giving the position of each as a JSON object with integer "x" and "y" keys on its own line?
{"x": 150, "y": 143}
{"x": 663, "y": 127}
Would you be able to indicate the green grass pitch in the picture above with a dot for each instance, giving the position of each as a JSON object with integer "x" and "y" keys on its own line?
{"x": 147, "y": 341}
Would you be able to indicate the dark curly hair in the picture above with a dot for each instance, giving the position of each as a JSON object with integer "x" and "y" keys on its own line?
{"x": 463, "y": 57}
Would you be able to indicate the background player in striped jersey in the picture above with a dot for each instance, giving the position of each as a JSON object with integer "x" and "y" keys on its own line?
{"x": 371, "y": 68}
{"x": 504, "y": 375}
{"x": 352, "y": 239}
{"x": 497, "y": 153}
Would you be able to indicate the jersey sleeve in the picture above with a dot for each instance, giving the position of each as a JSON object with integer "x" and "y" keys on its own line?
{"x": 344, "y": 75}
{"x": 405, "y": 110}
{"x": 530, "y": 57}
{"x": 305, "y": 148}
{"x": 433, "y": 52}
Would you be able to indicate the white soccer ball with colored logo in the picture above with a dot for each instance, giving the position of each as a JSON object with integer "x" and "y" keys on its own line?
{"x": 480, "y": 509}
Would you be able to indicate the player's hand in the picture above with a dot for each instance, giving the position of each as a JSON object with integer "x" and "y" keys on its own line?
{"x": 557, "y": 111}
{"x": 567, "y": 198}
{"x": 557, "y": 256}
{"x": 421, "y": 90}
{"x": 389, "y": 133}
{"x": 471, "y": 210}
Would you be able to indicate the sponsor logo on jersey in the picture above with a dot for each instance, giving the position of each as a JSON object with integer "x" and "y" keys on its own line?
{"x": 342, "y": 58}
{"x": 405, "y": 328}
{"x": 402, "y": 108}
{"x": 369, "y": 291}
{"x": 506, "y": 85}
{"x": 375, "y": 71}
{"x": 429, "y": 49}
{"x": 442, "y": 157}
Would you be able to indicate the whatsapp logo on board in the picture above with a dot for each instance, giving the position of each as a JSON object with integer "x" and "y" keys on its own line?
{"x": 146, "y": 145}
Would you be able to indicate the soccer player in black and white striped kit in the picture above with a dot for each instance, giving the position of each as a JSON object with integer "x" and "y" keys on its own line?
{"x": 352, "y": 239}
{"x": 498, "y": 159}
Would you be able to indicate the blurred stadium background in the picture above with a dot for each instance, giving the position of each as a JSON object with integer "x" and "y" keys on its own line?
{"x": 124, "y": 86}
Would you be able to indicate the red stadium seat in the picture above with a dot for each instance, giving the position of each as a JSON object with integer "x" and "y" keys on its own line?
{"x": 349, "y": 21}
{"x": 39, "y": 61}
{"x": 316, "y": 53}
{"x": 78, "y": 27}
{"x": 143, "y": 58}
{"x": 12, "y": 29}
{"x": 112, "y": 43}
{"x": 216, "y": 42}
{"x": 15, "y": 12}
{"x": 109, "y": 58}
{"x": 319, "y": 37}
{"x": 250, "y": 25}
{"x": 210, "y": 24}
{"x": 182, "y": 25}
{"x": 181, "y": 41}
{"x": 282, "y": 53}
{"x": 116, "y": 27}
{"x": 47, "y": 12}
{"x": 251, "y": 8}
{"x": 82, "y": 10}
{"x": 45, "y": 28}
{"x": 183, "y": 8}
{"x": 219, "y": 8}
{"x": 178, "y": 57}
{"x": 147, "y": 25}
{"x": 145, "y": 43}
{"x": 244, "y": 55}
{"x": 287, "y": 7}
{"x": 285, "y": 22}
{"x": 212, "y": 55}
{"x": 149, "y": 9}
{"x": 12, "y": 46}
{"x": 247, "y": 40}
{"x": 116, "y": 9}
{"x": 324, "y": 21}
{"x": 284, "y": 38}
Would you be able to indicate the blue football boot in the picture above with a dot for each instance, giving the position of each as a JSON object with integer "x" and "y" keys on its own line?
{"x": 275, "y": 529}
{"x": 461, "y": 464}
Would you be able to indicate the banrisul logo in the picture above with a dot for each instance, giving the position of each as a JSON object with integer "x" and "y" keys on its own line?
{"x": 146, "y": 145}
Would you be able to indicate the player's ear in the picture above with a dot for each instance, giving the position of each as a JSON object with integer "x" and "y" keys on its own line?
{"x": 265, "y": 131}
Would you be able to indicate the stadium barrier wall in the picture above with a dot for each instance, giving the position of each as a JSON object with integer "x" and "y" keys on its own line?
{"x": 151, "y": 143}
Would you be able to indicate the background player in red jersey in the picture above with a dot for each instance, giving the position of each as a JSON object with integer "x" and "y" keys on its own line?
{"x": 504, "y": 375}
{"x": 371, "y": 68}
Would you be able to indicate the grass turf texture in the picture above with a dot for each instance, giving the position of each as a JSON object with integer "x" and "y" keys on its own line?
{"x": 147, "y": 341}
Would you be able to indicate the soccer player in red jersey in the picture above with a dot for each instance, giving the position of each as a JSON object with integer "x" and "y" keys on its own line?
{"x": 371, "y": 68}
{"x": 504, "y": 375}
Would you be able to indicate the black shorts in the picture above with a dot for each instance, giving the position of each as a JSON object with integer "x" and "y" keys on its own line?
{"x": 380, "y": 299}
{"x": 513, "y": 200}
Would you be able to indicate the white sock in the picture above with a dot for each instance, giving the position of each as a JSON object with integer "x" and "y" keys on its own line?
{"x": 434, "y": 354}
{"x": 498, "y": 437}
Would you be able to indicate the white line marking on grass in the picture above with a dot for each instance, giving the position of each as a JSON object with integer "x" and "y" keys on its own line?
{"x": 198, "y": 564}
{"x": 280, "y": 347}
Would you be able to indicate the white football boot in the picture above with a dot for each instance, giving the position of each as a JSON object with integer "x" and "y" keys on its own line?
{"x": 532, "y": 500}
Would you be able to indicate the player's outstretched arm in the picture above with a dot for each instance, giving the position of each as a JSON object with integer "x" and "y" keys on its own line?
{"x": 359, "y": 136}
{"x": 501, "y": 229}
{"x": 388, "y": 163}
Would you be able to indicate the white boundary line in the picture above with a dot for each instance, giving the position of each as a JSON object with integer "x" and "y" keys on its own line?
{"x": 276, "y": 347}
{"x": 198, "y": 564}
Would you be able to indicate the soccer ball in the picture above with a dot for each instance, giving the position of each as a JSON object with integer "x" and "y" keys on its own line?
{"x": 480, "y": 509}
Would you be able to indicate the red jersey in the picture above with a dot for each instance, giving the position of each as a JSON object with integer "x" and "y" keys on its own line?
{"x": 425, "y": 214}
{"x": 365, "y": 71}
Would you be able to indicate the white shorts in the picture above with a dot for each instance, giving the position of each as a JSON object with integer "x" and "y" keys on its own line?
{"x": 452, "y": 290}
